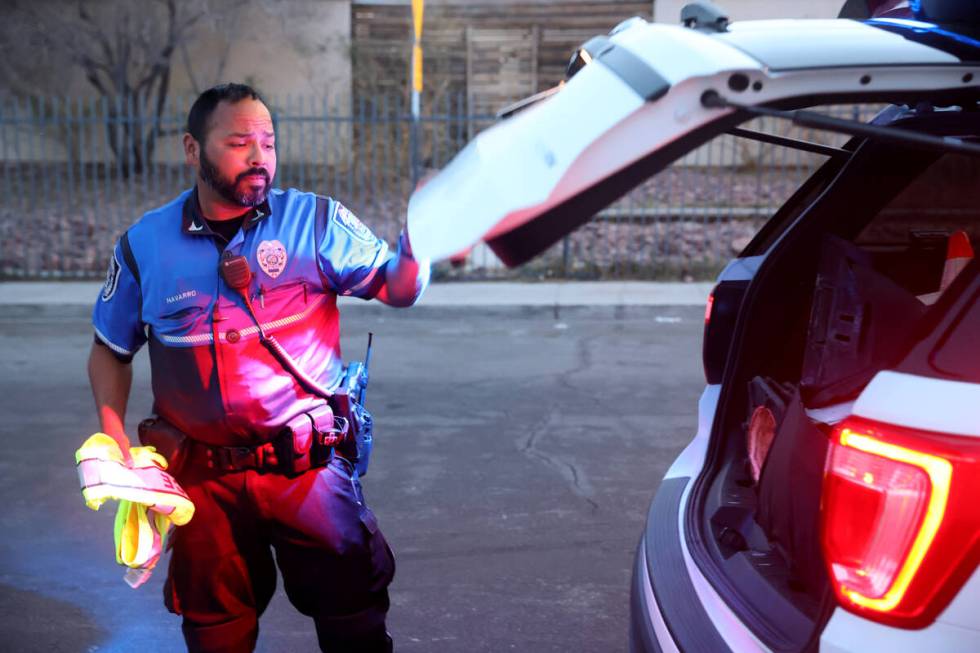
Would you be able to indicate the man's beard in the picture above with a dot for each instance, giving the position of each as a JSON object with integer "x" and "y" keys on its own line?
{"x": 229, "y": 190}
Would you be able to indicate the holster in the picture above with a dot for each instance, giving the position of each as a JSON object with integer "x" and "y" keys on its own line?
{"x": 360, "y": 438}
{"x": 167, "y": 439}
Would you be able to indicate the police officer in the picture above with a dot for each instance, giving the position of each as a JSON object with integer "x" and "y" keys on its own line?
{"x": 217, "y": 381}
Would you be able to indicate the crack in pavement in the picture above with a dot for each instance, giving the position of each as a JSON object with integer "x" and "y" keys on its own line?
{"x": 584, "y": 363}
{"x": 569, "y": 471}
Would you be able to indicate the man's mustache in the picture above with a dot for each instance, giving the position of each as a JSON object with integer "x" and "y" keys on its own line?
{"x": 253, "y": 171}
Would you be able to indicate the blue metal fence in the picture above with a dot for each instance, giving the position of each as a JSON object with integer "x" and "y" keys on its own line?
{"x": 76, "y": 172}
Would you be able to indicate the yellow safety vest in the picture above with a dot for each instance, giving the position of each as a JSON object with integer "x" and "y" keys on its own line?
{"x": 151, "y": 502}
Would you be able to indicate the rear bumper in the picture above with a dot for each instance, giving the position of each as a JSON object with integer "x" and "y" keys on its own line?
{"x": 666, "y": 613}
{"x": 643, "y": 633}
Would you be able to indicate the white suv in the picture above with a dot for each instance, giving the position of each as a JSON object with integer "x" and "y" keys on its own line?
{"x": 829, "y": 498}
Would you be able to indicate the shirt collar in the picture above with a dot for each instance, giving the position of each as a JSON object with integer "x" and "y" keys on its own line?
{"x": 193, "y": 222}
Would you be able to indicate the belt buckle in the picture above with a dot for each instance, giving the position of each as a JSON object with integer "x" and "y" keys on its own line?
{"x": 238, "y": 458}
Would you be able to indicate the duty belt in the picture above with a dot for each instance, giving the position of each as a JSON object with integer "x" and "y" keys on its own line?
{"x": 265, "y": 457}
{"x": 234, "y": 459}
{"x": 306, "y": 441}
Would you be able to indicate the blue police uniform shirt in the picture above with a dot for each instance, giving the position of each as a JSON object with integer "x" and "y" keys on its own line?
{"x": 211, "y": 376}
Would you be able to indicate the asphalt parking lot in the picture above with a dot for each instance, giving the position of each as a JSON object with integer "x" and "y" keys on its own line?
{"x": 517, "y": 451}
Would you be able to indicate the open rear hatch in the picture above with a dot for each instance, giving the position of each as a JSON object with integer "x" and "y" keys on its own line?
{"x": 652, "y": 93}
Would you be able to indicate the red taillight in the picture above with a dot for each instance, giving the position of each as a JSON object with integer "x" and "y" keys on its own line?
{"x": 707, "y": 307}
{"x": 892, "y": 531}
{"x": 889, "y": 503}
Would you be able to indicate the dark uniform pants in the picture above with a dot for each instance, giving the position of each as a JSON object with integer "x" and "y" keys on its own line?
{"x": 335, "y": 563}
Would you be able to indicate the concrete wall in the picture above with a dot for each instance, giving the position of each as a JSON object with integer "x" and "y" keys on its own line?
{"x": 300, "y": 47}
{"x": 298, "y": 56}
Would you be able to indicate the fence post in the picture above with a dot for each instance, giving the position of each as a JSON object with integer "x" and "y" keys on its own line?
{"x": 565, "y": 255}
{"x": 414, "y": 146}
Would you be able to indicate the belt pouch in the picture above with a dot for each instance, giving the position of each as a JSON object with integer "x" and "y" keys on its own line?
{"x": 295, "y": 443}
{"x": 167, "y": 439}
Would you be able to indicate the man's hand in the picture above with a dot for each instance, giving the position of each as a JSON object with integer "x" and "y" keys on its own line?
{"x": 111, "y": 380}
{"x": 405, "y": 277}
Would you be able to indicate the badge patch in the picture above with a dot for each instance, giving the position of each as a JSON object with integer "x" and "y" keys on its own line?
{"x": 111, "y": 279}
{"x": 348, "y": 221}
{"x": 272, "y": 257}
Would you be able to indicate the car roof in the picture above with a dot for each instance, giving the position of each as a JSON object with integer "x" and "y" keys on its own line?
{"x": 795, "y": 44}
{"x": 525, "y": 182}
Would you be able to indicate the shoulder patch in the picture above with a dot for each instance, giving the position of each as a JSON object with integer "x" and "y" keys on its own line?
{"x": 111, "y": 278}
{"x": 352, "y": 225}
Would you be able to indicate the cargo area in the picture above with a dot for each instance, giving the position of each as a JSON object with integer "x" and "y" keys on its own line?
{"x": 844, "y": 296}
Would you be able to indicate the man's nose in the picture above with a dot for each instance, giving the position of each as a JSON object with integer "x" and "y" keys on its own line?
{"x": 256, "y": 156}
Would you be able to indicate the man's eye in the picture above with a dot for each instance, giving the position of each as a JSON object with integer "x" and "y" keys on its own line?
{"x": 237, "y": 144}
{"x": 269, "y": 146}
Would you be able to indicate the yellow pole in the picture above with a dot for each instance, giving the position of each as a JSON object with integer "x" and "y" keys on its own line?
{"x": 418, "y": 11}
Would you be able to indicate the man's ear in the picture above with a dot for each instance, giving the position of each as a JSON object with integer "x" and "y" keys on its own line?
{"x": 192, "y": 151}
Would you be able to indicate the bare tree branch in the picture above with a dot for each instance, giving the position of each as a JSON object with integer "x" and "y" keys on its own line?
{"x": 95, "y": 32}
{"x": 125, "y": 50}
{"x": 186, "y": 60}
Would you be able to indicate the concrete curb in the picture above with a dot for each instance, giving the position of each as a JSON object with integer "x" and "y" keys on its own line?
{"x": 572, "y": 293}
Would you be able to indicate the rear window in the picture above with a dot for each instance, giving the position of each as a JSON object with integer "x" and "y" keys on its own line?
{"x": 945, "y": 198}
{"x": 908, "y": 240}
{"x": 909, "y": 236}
